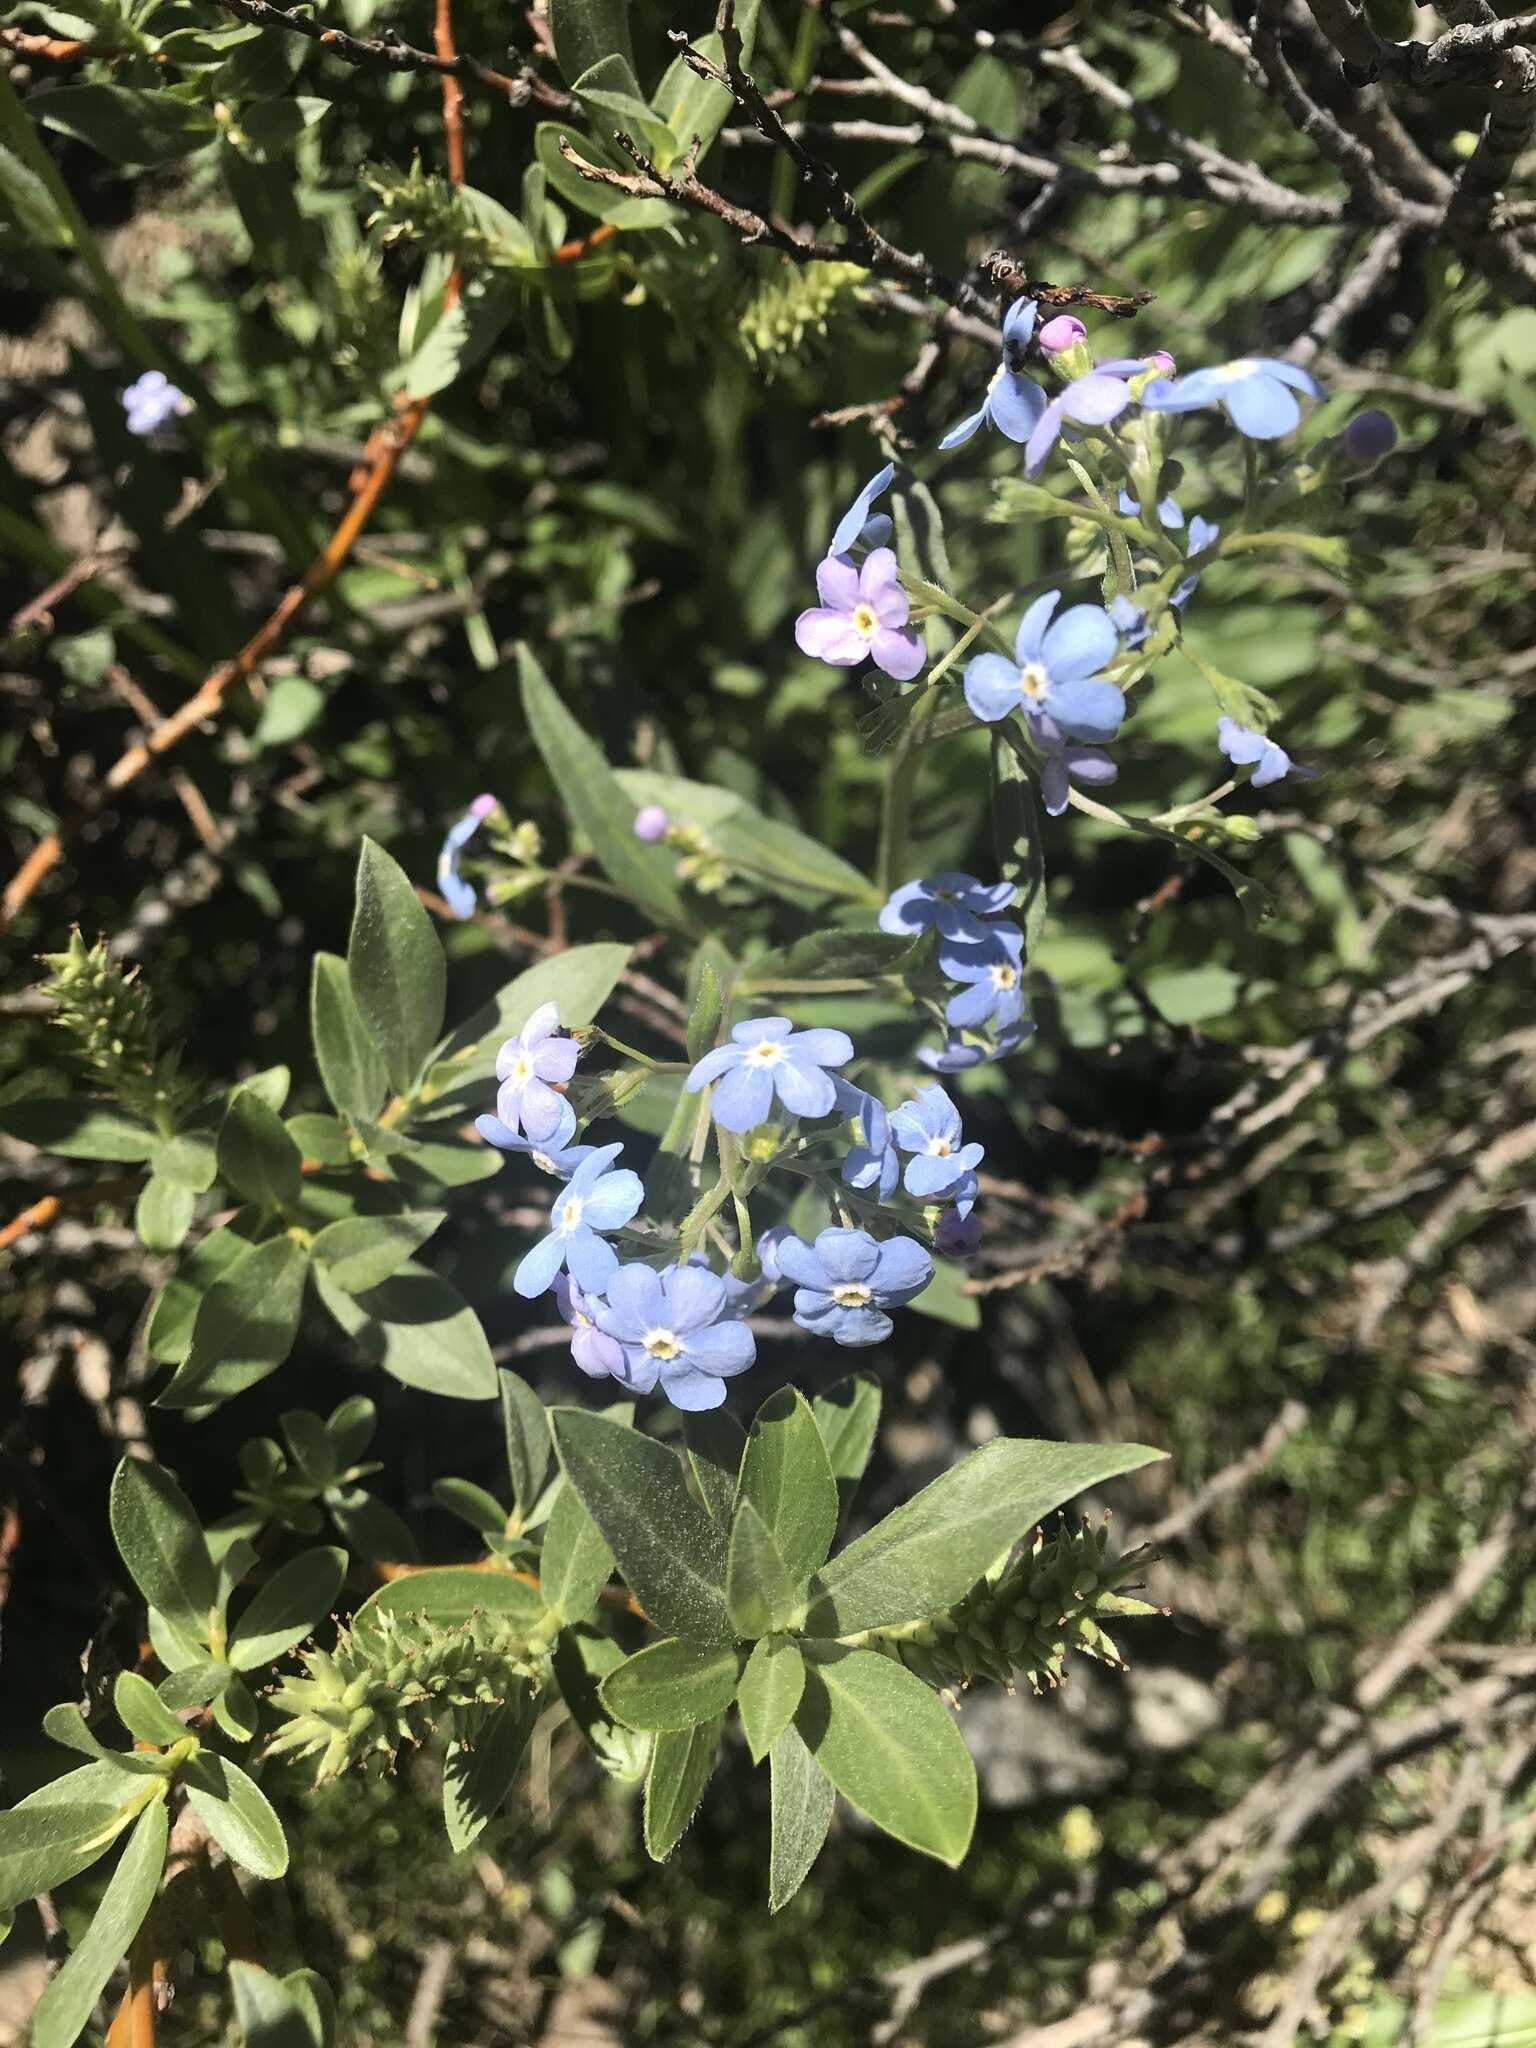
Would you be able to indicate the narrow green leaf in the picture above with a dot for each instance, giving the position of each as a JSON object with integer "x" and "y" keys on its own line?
{"x": 592, "y": 794}
{"x": 716, "y": 1441}
{"x": 191, "y": 1159}
{"x": 194, "y": 1685}
{"x": 668, "y": 1549}
{"x": 786, "y": 1475}
{"x": 142, "y": 1711}
{"x": 472, "y": 1504}
{"x": 576, "y": 1561}
{"x": 585, "y": 30}
{"x": 77, "y": 1129}
{"x": 169, "y": 1335}
{"x": 161, "y": 1542}
{"x": 769, "y": 1692}
{"x": 671, "y": 1685}
{"x": 704, "y": 1018}
{"x": 477, "y": 1779}
{"x": 237, "y": 1814}
{"x": 60, "y": 1828}
{"x": 66, "y": 1724}
{"x": 268, "y": 2012}
{"x": 890, "y": 1746}
{"x": 317, "y": 2005}
{"x": 162, "y": 1215}
{"x": 256, "y": 1155}
{"x": 1018, "y": 835}
{"x": 802, "y": 1804}
{"x": 848, "y": 1414}
{"x": 420, "y": 1329}
{"x": 351, "y": 1065}
{"x": 127, "y": 124}
{"x": 295, "y": 1600}
{"x": 931, "y": 1551}
{"x": 309, "y": 1444}
{"x": 529, "y": 1448}
{"x": 759, "y": 1590}
{"x": 245, "y": 1326}
{"x": 60, "y": 2015}
{"x": 350, "y": 1428}
{"x": 359, "y": 1252}
{"x": 236, "y": 1712}
{"x": 448, "y": 1594}
{"x": 682, "y": 1764}
{"x": 583, "y": 1659}
{"x": 395, "y": 966}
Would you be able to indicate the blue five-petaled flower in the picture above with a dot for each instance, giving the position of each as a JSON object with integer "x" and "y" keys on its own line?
{"x": 1271, "y": 763}
{"x": 768, "y": 1057}
{"x": 151, "y": 400}
{"x": 1055, "y": 670}
{"x": 929, "y": 1128}
{"x": 845, "y": 1282}
{"x": 532, "y": 1068}
{"x": 1013, "y": 404}
{"x": 1257, "y": 393}
{"x": 861, "y": 525}
{"x": 871, "y": 1161}
{"x": 992, "y": 972}
{"x": 675, "y": 1326}
{"x": 593, "y": 1200}
{"x": 951, "y": 904}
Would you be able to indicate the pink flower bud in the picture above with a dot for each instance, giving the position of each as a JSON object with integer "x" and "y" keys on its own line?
{"x": 483, "y": 806}
{"x": 1064, "y": 332}
{"x": 1161, "y": 360}
{"x": 651, "y": 824}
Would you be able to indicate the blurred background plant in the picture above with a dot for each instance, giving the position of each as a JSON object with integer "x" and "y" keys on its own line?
{"x": 1259, "y": 1196}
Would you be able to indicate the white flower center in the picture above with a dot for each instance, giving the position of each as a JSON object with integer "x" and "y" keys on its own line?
{"x": 1005, "y": 977}
{"x": 522, "y": 1068}
{"x": 1232, "y": 373}
{"x": 939, "y": 1148}
{"x": 864, "y": 621}
{"x": 768, "y": 1052}
{"x": 1033, "y": 679}
{"x": 543, "y": 1162}
{"x": 662, "y": 1344}
{"x": 852, "y": 1294}
{"x": 570, "y": 1214}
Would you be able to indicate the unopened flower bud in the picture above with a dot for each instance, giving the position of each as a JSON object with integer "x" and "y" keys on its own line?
{"x": 958, "y": 1237}
{"x": 1369, "y": 437}
{"x": 483, "y": 806}
{"x": 1162, "y": 361}
{"x": 651, "y": 824}
{"x": 1064, "y": 332}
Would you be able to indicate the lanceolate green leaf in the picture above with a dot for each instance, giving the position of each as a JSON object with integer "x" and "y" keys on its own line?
{"x": 591, "y": 793}
{"x": 395, "y": 966}
{"x": 585, "y": 30}
{"x": 245, "y": 1325}
{"x": 448, "y": 1594}
{"x": 848, "y": 1414}
{"x": 59, "y": 1829}
{"x": 271, "y": 2010}
{"x": 769, "y": 1692}
{"x": 237, "y": 1814}
{"x": 478, "y": 1776}
{"x": 77, "y": 1129}
{"x": 715, "y": 1441}
{"x": 933, "y": 1549}
{"x": 529, "y": 1447}
{"x": 351, "y": 1065}
{"x": 420, "y": 1329}
{"x": 672, "y": 1685}
{"x": 576, "y": 1561}
{"x": 582, "y": 1659}
{"x": 802, "y": 1803}
{"x": 889, "y": 1744}
{"x": 256, "y": 1155}
{"x": 786, "y": 1475}
{"x": 142, "y": 1711}
{"x": 295, "y": 1600}
{"x": 169, "y": 1336}
{"x": 60, "y": 2015}
{"x": 682, "y": 1763}
{"x": 359, "y": 1252}
{"x": 161, "y": 1542}
{"x": 759, "y": 1590}
{"x": 669, "y": 1550}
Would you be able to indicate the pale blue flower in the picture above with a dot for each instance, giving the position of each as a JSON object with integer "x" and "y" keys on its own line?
{"x": 858, "y": 525}
{"x": 675, "y": 1327}
{"x": 1055, "y": 670}
{"x": 951, "y": 904}
{"x": 1012, "y": 404}
{"x": 871, "y": 1161}
{"x": 1066, "y": 761}
{"x": 1169, "y": 511}
{"x": 532, "y": 1069}
{"x": 555, "y": 1155}
{"x": 451, "y": 886}
{"x": 845, "y": 1282}
{"x": 929, "y": 1128}
{"x": 1202, "y": 534}
{"x": 961, "y": 1051}
{"x": 593, "y": 1200}
{"x": 598, "y": 1355}
{"x": 1243, "y": 746}
{"x": 769, "y": 1058}
{"x": 1257, "y": 393}
{"x": 993, "y": 978}
{"x": 151, "y": 400}
{"x": 862, "y": 616}
{"x": 1092, "y": 400}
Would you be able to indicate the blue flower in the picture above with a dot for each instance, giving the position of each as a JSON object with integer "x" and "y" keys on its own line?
{"x": 1055, "y": 670}
{"x": 862, "y": 616}
{"x": 858, "y": 524}
{"x": 951, "y": 904}
{"x": 1169, "y": 511}
{"x": 151, "y": 400}
{"x": 675, "y": 1327}
{"x": 1242, "y": 745}
{"x": 1012, "y": 403}
{"x": 1202, "y": 534}
{"x": 871, "y": 1162}
{"x": 598, "y": 1355}
{"x": 1130, "y": 621}
{"x": 555, "y": 1155}
{"x": 1257, "y": 393}
{"x": 1066, "y": 761}
{"x": 994, "y": 993}
{"x": 846, "y": 1282}
{"x": 1092, "y": 400}
{"x": 531, "y": 1068}
{"x": 960, "y": 1051}
{"x": 451, "y": 885}
{"x": 766, "y": 1058}
{"x": 592, "y": 1200}
{"x": 929, "y": 1128}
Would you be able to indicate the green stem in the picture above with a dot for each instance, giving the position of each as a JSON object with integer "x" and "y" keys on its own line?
{"x": 896, "y": 810}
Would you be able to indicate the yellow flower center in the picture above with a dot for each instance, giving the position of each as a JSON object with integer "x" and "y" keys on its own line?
{"x": 1033, "y": 680}
{"x": 852, "y": 1294}
{"x": 662, "y": 1344}
{"x": 864, "y": 621}
{"x": 768, "y": 1052}
{"x": 939, "y": 1148}
{"x": 1005, "y": 977}
{"x": 570, "y": 1214}
{"x": 522, "y": 1068}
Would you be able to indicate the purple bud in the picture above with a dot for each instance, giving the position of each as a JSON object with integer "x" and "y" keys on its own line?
{"x": 651, "y": 824}
{"x": 1161, "y": 360}
{"x": 1368, "y": 437}
{"x": 958, "y": 1237}
{"x": 1064, "y": 332}
{"x": 483, "y": 806}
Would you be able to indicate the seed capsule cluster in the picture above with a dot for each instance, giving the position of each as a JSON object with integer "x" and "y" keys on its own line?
{"x": 108, "y": 1014}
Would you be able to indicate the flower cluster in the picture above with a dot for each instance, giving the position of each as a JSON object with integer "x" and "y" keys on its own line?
{"x": 978, "y": 951}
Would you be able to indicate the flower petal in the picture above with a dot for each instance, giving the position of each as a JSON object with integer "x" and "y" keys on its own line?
{"x": 612, "y": 1201}
{"x": 1031, "y": 634}
{"x": 830, "y": 636}
{"x": 846, "y": 1254}
{"x": 1094, "y": 400}
{"x": 592, "y": 1260}
{"x": 1087, "y": 708}
{"x": 1261, "y": 408}
{"x": 1290, "y": 373}
{"x": 539, "y": 1266}
{"x": 957, "y": 435}
{"x": 837, "y": 583}
{"x": 1016, "y": 406}
{"x": 713, "y": 1065}
{"x": 798, "y": 1262}
{"x": 693, "y": 1392}
{"x": 853, "y": 521}
{"x": 1079, "y": 643}
{"x": 1043, "y": 438}
{"x": 1055, "y": 794}
{"x": 542, "y": 1110}
{"x": 803, "y": 1089}
{"x": 743, "y": 1098}
{"x": 636, "y": 1302}
{"x": 900, "y": 655}
{"x": 992, "y": 687}
{"x": 695, "y": 1296}
{"x": 903, "y": 1269}
{"x": 855, "y": 1328}
{"x": 822, "y": 1046}
{"x": 724, "y": 1347}
{"x": 904, "y": 909}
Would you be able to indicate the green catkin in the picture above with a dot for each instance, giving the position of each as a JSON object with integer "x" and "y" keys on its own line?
{"x": 108, "y": 1013}
{"x": 792, "y": 308}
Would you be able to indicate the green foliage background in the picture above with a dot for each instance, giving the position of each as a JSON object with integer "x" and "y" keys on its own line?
{"x": 621, "y": 482}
